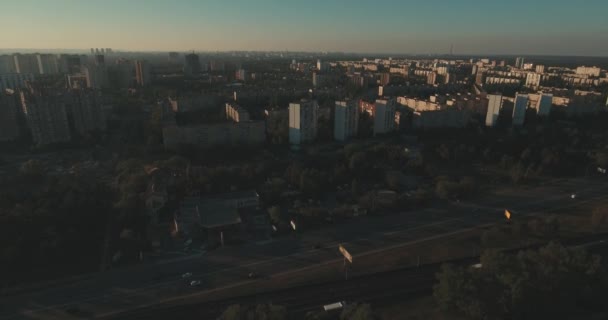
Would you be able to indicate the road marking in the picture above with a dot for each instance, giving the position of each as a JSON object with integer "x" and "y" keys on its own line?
{"x": 106, "y": 296}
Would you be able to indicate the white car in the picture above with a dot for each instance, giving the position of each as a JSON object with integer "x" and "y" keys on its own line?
{"x": 195, "y": 283}
{"x": 573, "y": 196}
{"x": 186, "y": 275}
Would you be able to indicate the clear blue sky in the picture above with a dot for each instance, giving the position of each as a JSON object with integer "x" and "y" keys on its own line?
{"x": 560, "y": 27}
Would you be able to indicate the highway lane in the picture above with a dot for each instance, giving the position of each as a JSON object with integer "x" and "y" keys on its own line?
{"x": 145, "y": 284}
{"x": 379, "y": 289}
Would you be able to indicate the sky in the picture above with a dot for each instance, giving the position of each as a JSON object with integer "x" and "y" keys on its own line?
{"x": 553, "y": 27}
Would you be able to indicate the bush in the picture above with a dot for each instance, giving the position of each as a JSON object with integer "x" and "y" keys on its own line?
{"x": 495, "y": 238}
{"x": 599, "y": 217}
{"x": 258, "y": 312}
{"x": 275, "y": 214}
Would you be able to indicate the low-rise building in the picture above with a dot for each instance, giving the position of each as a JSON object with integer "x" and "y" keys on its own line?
{"x": 236, "y": 113}
{"x": 448, "y": 118}
{"x": 218, "y": 134}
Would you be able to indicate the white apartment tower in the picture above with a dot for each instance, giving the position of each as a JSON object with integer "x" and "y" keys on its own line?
{"x": 346, "y": 120}
{"x": 384, "y": 116}
{"x": 494, "y": 105}
{"x": 303, "y": 121}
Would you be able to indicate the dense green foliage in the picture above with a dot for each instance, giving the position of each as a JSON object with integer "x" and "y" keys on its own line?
{"x": 552, "y": 282}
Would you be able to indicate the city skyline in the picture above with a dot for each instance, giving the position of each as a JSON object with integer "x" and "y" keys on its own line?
{"x": 407, "y": 27}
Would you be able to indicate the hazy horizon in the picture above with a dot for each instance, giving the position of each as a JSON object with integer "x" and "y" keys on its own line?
{"x": 473, "y": 27}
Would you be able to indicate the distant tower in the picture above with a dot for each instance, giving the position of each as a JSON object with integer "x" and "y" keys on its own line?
{"x": 100, "y": 60}
{"x": 92, "y": 51}
{"x": 452, "y": 50}
{"x": 193, "y": 64}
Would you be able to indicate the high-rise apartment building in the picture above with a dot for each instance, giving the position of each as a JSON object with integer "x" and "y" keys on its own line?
{"x": 431, "y": 78}
{"x": 143, "y": 73}
{"x": 346, "y": 120}
{"x": 96, "y": 76}
{"x": 121, "y": 74}
{"x": 533, "y": 79}
{"x": 494, "y": 105}
{"x": 322, "y": 66}
{"x": 303, "y": 121}
{"x": 7, "y": 64}
{"x": 9, "y": 124}
{"x": 540, "y": 69}
{"x": 14, "y": 80}
{"x": 193, "y": 64}
{"x": 47, "y": 64}
{"x": 384, "y": 116}
{"x": 70, "y": 63}
{"x": 85, "y": 108}
{"x": 384, "y": 78}
{"x": 544, "y": 104}
{"x": 519, "y": 62}
{"x": 318, "y": 80}
{"x": 26, "y": 63}
{"x": 479, "y": 77}
{"x": 519, "y": 109}
{"x": 240, "y": 75}
{"x": 173, "y": 57}
{"x": 46, "y": 116}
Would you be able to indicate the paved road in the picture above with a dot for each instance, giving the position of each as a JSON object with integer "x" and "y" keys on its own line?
{"x": 379, "y": 289}
{"x": 104, "y": 294}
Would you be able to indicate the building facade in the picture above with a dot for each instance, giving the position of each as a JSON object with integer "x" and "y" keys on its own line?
{"x": 86, "y": 111}
{"x": 384, "y": 116}
{"x": 346, "y": 120}
{"x": 236, "y": 113}
{"x": 9, "y": 124}
{"x": 46, "y": 117}
{"x": 14, "y": 80}
{"x": 212, "y": 135}
{"x": 303, "y": 121}
{"x": 494, "y": 105}
{"x": 193, "y": 64}
{"x": 519, "y": 109}
{"x": 143, "y": 73}
{"x": 544, "y": 104}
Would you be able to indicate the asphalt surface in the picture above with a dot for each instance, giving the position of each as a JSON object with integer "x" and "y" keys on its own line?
{"x": 117, "y": 291}
{"x": 379, "y": 289}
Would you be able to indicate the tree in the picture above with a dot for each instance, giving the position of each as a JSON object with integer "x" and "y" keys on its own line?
{"x": 275, "y": 214}
{"x": 357, "y": 312}
{"x": 257, "y": 312}
{"x": 494, "y": 238}
{"x": 553, "y": 282}
{"x": 32, "y": 168}
{"x": 233, "y": 312}
{"x": 599, "y": 217}
{"x": 312, "y": 182}
{"x": 358, "y": 161}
